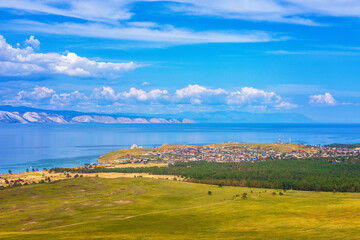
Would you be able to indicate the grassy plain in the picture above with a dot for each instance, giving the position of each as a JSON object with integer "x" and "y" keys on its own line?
{"x": 138, "y": 208}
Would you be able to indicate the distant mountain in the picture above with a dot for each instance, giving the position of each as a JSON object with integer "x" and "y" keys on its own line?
{"x": 24, "y": 115}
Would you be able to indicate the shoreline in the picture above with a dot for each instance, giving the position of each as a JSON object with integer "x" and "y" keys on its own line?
{"x": 36, "y": 177}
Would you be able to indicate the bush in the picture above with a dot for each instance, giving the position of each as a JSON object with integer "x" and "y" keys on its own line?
{"x": 209, "y": 192}
{"x": 244, "y": 195}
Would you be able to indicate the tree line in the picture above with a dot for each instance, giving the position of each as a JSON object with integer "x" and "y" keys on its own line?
{"x": 311, "y": 174}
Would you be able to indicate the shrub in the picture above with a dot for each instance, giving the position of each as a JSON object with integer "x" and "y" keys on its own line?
{"x": 209, "y": 192}
{"x": 244, "y": 195}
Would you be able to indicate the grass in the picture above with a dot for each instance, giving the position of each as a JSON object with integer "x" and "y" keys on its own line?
{"x": 137, "y": 208}
{"x": 119, "y": 154}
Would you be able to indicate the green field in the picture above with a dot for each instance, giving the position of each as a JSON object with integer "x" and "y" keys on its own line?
{"x": 137, "y": 208}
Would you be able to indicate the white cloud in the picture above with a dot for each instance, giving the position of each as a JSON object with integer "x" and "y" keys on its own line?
{"x": 142, "y": 95}
{"x": 326, "y": 99}
{"x": 197, "y": 91}
{"x": 23, "y": 62}
{"x": 39, "y": 93}
{"x": 160, "y": 34}
{"x": 32, "y": 42}
{"x": 68, "y": 98}
{"x": 286, "y": 105}
{"x": 105, "y": 93}
{"x": 193, "y": 95}
{"x": 113, "y": 11}
{"x": 288, "y": 11}
{"x": 252, "y": 95}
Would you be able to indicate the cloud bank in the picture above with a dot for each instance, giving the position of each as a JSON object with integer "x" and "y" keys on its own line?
{"x": 15, "y": 61}
{"x": 179, "y": 100}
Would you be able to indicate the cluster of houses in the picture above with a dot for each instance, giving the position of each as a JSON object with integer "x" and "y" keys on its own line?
{"x": 232, "y": 154}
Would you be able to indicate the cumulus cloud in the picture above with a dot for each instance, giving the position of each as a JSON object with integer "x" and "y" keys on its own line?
{"x": 24, "y": 62}
{"x": 32, "y": 42}
{"x": 39, "y": 93}
{"x": 197, "y": 91}
{"x": 326, "y": 99}
{"x": 197, "y": 94}
{"x": 109, "y": 94}
{"x": 286, "y": 105}
{"x": 64, "y": 99}
{"x": 192, "y": 95}
{"x": 252, "y": 95}
{"x": 105, "y": 93}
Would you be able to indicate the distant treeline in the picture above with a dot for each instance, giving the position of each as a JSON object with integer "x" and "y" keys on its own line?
{"x": 313, "y": 174}
{"x": 339, "y": 145}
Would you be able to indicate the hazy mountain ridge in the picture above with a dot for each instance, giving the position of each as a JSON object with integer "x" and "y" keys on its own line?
{"x": 24, "y": 115}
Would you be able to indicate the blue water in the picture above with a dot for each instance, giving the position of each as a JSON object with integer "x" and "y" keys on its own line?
{"x": 46, "y": 146}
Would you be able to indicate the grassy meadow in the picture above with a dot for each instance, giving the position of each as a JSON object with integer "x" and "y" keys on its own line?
{"x": 138, "y": 208}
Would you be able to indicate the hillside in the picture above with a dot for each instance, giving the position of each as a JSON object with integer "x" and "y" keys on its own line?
{"x": 137, "y": 208}
{"x": 24, "y": 115}
{"x": 111, "y": 156}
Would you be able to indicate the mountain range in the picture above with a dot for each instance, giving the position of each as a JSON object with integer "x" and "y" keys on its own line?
{"x": 24, "y": 115}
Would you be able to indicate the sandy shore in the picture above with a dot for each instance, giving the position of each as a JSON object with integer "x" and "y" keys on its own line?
{"x": 31, "y": 177}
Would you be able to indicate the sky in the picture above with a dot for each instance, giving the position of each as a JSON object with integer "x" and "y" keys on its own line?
{"x": 170, "y": 57}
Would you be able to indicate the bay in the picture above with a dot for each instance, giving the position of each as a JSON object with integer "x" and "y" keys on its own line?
{"x": 56, "y": 145}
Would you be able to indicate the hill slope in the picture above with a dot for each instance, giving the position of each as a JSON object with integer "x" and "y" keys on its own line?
{"x": 136, "y": 208}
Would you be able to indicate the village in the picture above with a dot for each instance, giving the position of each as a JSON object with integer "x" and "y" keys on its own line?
{"x": 233, "y": 154}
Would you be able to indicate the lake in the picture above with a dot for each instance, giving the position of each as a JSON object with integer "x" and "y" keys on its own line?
{"x": 56, "y": 145}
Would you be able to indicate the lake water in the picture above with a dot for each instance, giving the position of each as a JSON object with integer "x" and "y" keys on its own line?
{"x": 51, "y": 145}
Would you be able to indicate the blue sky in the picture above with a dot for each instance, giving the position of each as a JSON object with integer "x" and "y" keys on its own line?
{"x": 168, "y": 57}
